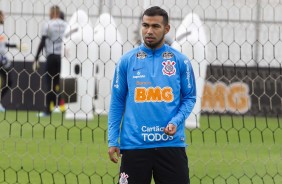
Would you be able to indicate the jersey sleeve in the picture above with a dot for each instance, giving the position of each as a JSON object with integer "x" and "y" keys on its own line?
{"x": 188, "y": 92}
{"x": 117, "y": 104}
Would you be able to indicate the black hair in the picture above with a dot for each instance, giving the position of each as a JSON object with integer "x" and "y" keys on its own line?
{"x": 157, "y": 11}
{"x": 62, "y": 15}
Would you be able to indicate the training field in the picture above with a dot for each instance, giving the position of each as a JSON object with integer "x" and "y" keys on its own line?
{"x": 225, "y": 149}
{"x": 235, "y": 50}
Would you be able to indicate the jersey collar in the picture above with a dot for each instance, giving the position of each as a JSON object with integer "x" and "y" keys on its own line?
{"x": 150, "y": 51}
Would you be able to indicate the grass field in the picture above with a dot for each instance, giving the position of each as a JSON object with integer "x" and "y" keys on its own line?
{"x": 225, "y": 149}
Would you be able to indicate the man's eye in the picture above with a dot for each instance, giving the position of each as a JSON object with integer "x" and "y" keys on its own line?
{"x": 156, "y": 26}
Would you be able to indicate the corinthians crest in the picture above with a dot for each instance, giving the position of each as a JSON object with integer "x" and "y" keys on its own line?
{"x": 169, "y": 68}
{"x": 123, "y": 178}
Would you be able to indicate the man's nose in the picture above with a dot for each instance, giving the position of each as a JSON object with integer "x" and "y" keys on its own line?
{"x": 149, "y": 30}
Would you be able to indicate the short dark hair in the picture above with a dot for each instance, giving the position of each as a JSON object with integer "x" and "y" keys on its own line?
{"x": 156, "y": 11}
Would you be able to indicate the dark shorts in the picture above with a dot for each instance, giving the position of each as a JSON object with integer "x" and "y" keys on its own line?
{"x": 165, "y": 165}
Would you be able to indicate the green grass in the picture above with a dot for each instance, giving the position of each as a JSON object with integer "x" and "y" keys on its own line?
{"x": 231, "y": 150}
{"x": 225, "y": 149}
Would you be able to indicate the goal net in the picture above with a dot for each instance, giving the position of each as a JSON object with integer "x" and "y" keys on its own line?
{"x": 234, "y": 132}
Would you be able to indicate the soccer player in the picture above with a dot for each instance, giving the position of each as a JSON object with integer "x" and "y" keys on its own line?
{"x": 153, "y": 92}
{"x": 5, "y": 63}
{"x": 52, "y": 34}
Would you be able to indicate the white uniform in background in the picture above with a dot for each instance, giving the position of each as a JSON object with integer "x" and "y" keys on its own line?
{"x": 4, "y": 62}
{"x": 3, "y": 59}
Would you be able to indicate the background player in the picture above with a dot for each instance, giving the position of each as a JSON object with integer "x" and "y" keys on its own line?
{"x": 5, "y": 63}
{"x": 52, "y": 34}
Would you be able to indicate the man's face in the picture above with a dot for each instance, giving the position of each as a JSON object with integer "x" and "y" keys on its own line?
{"x": 153, "y": 31}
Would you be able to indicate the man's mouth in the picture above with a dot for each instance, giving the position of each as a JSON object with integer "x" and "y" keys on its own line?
{"x": 150, "y": 39}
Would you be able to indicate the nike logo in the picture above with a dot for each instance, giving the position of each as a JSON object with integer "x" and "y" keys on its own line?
{"x": 135, "y": 69}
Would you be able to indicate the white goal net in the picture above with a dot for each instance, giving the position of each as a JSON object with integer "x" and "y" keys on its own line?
{"x": 234, "y": 132}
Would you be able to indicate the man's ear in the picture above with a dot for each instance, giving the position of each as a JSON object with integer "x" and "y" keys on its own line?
{"x": 167, "y": 28}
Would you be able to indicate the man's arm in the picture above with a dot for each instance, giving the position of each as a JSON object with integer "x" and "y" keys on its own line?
{"x": 188, "y": 93}
{"x": 8, "y": 45}
{"x": 40, "y": 47}
{"x": 117, "y": 107}
{"x": 20, "y": 47}
{"x": 39, "y": 50}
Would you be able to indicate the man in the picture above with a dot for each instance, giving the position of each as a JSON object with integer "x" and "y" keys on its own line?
{"x": 52, "y": 34}
{"x": 153, "y": 93}
{"x": 5, "y": 63}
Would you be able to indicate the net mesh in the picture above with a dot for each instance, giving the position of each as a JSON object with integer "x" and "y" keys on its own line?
{"x": 234, "y": 47}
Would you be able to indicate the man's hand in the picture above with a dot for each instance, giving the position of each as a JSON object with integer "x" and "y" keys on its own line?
{"x": 114, "y": 154}
{"x": 35, "y": 66}
{"x": 170, "y": 129}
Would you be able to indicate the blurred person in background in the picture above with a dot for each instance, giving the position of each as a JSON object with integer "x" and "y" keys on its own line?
{"x": 52, "y": 35}
{"x": 5, "y": 63}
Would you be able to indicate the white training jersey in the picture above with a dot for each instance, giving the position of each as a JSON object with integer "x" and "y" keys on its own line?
{"x": 4, "y": 62}
{"x": 54, "y": 30}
